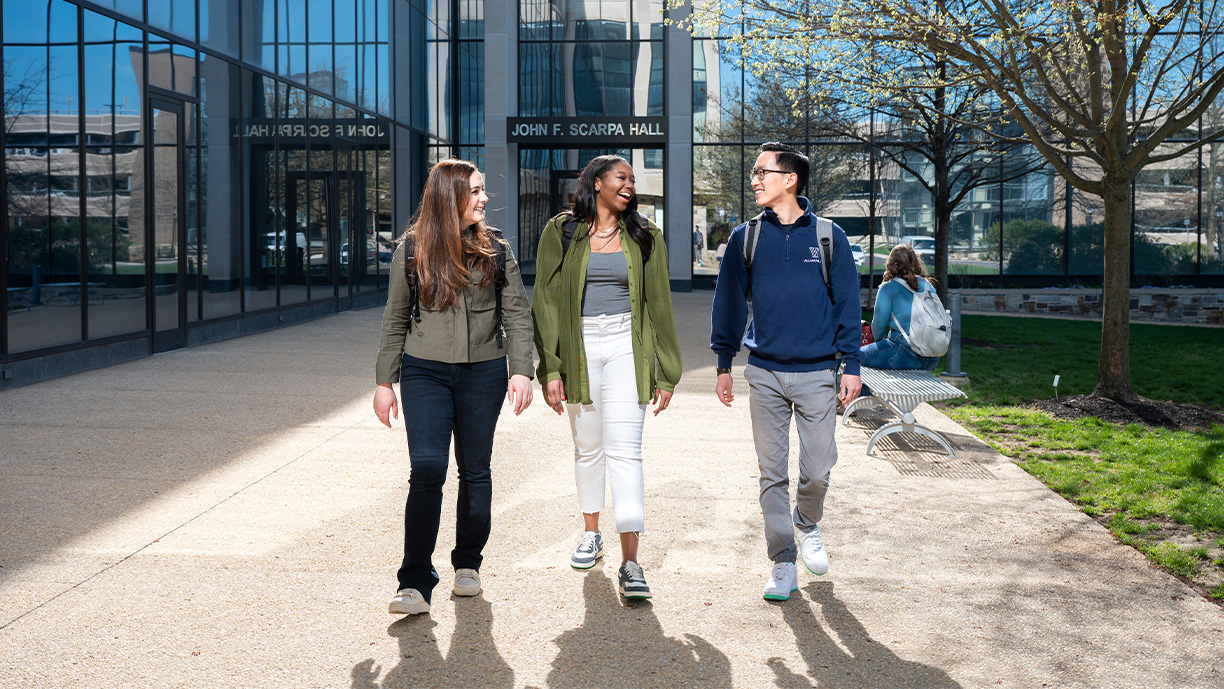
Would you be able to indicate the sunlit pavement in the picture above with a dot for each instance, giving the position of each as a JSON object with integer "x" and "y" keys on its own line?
{"x": 230, "y": 516}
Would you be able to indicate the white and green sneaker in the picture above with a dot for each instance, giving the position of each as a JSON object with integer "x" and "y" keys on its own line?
{"x": 812, "y": 552}
{"x": 590, "y": 549}
{"x": 633, "y": 581}
{"x": 782, "y": 582}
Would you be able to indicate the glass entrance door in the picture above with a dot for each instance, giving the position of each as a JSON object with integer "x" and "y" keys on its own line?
{"x": 167, "y": 233}
{"x": 548, "y": 178}
{"x": 320, "y": 207}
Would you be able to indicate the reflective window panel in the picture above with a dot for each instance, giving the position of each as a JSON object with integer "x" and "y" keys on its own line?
{"x": 115, "y": 171}
{"x": 220, "y": 23}
{"x": 44, "y": 182}
{"x": 176, "y": 16}
{"x": 1034, "y": 224}
{"x": 1212, "y": 220}
{"x": 718, "y": 183}
{"x": 220, "y": 241}
{"x": 263, "y": 203}
{"x": 1167, "y": 217}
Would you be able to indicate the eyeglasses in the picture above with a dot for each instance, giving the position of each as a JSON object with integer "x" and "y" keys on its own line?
{"x": 760, "y": 172}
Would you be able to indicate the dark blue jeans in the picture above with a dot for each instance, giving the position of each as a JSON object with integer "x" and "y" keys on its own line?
{"x": 441, "y": 401}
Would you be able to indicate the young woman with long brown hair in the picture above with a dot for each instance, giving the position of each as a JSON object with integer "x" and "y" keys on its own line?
{"x": 443, "y": 342}
{"x": 607, "y": 343}
{"x": 904, "y": 274}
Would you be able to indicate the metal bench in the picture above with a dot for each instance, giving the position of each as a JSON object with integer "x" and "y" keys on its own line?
{"x": 902, "y": 392}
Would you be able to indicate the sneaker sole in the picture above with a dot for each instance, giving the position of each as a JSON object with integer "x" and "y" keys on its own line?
{"x": 636, "y": 595}
{"x": 805, "y": 564}
{"x": 778, "y": 596}
{"x": 586, "y": 565}
{"x": 466, "y": 590}
{"x": 396, "y": 609}
{"x": 819, "y": 574}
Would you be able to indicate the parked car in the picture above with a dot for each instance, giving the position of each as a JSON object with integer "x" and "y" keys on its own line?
{"x": 275, "y": 244}
{"x": 857, "y": 252}
{"x": 384, "y": 254}
{"x": 922, "y": 245}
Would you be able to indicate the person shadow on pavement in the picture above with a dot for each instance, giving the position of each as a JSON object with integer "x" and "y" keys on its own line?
{"x": 621, "y": 644}
{"x": 472, "y": 660}
{"x": 863, "y": 662}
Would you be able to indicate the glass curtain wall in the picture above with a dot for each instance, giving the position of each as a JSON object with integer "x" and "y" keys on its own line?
{"x": 734, "y": 112}
{"x": 1034, "y": 225}
{"x": 282, "y": 156}
{"x": 584, "y": 58}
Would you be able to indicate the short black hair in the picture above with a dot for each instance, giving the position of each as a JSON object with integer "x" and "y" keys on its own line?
{"x": 790, "y": 159}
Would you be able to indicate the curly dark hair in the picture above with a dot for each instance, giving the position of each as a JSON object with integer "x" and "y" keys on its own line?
{"x": 584, "y": 207}
{"x": 905, "y": 263}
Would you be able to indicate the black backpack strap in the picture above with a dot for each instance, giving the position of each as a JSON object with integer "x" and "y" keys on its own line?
{"x": 568, "y": 228}
{"x": 498, "y": 283}
{"x": 414, "y": 295}
{"x": 752, "y": 233}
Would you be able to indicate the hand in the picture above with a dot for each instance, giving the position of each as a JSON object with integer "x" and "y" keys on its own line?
{"x": 554, "y": 395}
{"x": 722, "y": 389}
{"x": 385, "y": 405}
{"x": 518, "y": 392}
{"x": 662, "y": 398}
{"x": 850, "y": 388}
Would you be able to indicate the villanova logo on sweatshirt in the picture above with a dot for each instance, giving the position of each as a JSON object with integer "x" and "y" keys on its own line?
{"x": 815, "y": 255}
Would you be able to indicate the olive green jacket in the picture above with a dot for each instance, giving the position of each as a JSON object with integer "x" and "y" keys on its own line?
{"x": 557, "y": 307}
{"x": 464, "y": 333}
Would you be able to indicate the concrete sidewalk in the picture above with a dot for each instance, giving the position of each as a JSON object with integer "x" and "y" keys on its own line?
{"x": 230, "y": 516}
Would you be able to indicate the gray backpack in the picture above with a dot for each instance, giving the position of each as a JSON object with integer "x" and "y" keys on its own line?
{"x": 930, "y": 328}
{"x": 824, "y": 234}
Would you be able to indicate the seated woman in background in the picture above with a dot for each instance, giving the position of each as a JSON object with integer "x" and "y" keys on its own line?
{"x": 892, "y": 308}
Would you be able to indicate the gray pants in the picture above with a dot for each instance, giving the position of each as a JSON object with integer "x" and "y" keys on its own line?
{"x": 812, "y": 397}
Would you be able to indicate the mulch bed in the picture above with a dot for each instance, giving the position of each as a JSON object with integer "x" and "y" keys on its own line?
{"x": 1155, "y": 413}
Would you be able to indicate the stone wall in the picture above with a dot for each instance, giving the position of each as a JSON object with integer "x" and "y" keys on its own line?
{"x": 1190, "y": 306}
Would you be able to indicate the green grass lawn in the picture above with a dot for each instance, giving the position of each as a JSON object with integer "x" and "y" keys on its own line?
{"x": 1159, "y": 490}
{"x": 1168, "y": 362}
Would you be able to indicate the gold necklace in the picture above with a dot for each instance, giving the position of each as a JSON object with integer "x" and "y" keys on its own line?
{"x": 608, "y": 232}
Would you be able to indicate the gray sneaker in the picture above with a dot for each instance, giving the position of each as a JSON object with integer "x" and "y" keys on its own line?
{"x": 590, "y": 549}
{"x": 408, "y": 602}
{"x": 467, "y": 582}
{"x": 633, "y": 581}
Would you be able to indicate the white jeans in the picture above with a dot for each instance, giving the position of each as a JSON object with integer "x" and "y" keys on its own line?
{"x": 608, "y": 432}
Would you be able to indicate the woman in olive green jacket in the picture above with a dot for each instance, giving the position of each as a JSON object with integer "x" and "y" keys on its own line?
{"x": 455, "y": 361}
{"x": 607, "y": 342}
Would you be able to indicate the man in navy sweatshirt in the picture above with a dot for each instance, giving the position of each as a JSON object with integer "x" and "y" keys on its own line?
{"x": 800, "y": 331}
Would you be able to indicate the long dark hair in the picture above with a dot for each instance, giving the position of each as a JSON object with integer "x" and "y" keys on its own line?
{"x": 445, "y": 252}
{"x": 905, "y": 263}
{"x": 584, "y": 207}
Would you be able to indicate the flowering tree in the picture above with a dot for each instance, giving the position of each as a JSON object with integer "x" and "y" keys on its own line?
{"x": 1100, "y": 88}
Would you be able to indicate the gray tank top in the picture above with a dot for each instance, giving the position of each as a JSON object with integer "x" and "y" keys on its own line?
{"x": 607, "y": 285}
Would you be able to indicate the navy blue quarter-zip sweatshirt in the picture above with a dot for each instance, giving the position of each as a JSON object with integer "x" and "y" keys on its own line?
{"x": 795, "y": 326}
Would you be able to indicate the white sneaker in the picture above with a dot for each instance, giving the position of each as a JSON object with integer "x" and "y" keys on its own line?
{"x": 467, "y": 582}
{"x": 408, "y": 602}
{"x": 590, "y": 549}
{"x": 812, "y": 551}
{"x": 782, "y": 582}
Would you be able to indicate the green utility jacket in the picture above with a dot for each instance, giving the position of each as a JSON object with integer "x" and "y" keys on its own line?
{"x": 464, "y": 333}
{"x": 557, "y": 307}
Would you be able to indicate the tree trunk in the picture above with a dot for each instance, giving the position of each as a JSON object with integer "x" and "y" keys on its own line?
{"x": 1113, "y": 369}
{"x": 943, "y": 222}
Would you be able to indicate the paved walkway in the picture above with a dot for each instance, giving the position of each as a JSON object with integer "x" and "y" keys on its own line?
{"x": 229, "y": 516}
